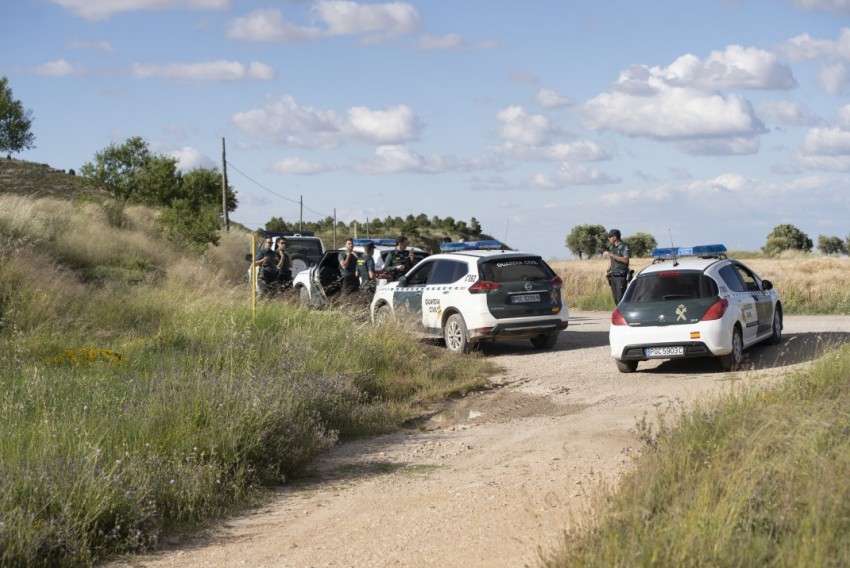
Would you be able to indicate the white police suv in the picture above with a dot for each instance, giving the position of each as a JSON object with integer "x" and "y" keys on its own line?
{"x": 474, "y": 292}
{"x": 694, "y": 302}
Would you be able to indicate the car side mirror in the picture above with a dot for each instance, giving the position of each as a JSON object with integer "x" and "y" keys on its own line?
{"x": 249, "y": 257}
{"x": 767, "y": 285}
{"x": 402, "y": 280}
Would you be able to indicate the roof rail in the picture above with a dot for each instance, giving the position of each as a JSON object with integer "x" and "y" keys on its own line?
{"x": 376, "y": 242}
{"x": 288, "y": 234}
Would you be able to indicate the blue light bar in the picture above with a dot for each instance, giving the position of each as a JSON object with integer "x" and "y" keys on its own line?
{"x": 472, "y": 245}
{"x": 376, "y": 242}
{"x": 699, "y": 250}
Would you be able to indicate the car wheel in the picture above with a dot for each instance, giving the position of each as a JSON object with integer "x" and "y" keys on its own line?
{"x": 626, "y": 366}
{"x": 732, "y": 361}
{"x": 455, "y": 334}
{"x": 546, "y": 341}
{"x": 299, "y": 263}
{"x": 383, "y": 313}
{"x": 776, "y": 337}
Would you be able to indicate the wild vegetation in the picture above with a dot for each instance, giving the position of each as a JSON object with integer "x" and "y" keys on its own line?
{"x": 758, "y": 477}
{"x": 140, "y": 396}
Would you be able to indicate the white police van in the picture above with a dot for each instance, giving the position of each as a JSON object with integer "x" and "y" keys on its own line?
{"x": 476, "y": 292}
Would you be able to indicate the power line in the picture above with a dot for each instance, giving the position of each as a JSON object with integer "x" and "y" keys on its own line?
{"x": 258, "y": 184}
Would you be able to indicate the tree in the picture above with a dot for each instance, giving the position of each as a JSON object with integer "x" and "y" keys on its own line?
{"x": 831, "y": 245}
{"x": 120, "y": 167}
{"x": 642, "y": 244}
{"x": 183, "y": 223}
{"x": 474, "y": 227}
{"x": 587, "y": 240}
{"x": 202, "y": 186}
{"x": 276, "y": 224}
{"x": 787, "y": 237}
{"x": 15, "y": 122}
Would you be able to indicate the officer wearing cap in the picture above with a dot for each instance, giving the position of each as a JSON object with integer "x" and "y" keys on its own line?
{"x": 619, "y": 253}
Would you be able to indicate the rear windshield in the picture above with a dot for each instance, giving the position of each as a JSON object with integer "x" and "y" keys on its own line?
{"x": 671, "y": 285}
{"x": 307, "y": 247}
{"x": 516, "y": 270}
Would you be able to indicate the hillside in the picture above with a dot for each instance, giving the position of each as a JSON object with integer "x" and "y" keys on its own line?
{"x": 41, "y": 180}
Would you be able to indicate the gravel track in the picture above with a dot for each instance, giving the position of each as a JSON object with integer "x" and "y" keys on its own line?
{"x": 491, "y": 479}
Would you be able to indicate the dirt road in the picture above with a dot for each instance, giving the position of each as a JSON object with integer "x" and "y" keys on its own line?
{"x": 494, "y": 477}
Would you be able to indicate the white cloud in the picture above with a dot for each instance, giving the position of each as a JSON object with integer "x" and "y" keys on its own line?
{"x": 659, "y": 104}
{"x": 189, "y": 158}
{"x": 450, "y": 42}
{"x": 735, "y": 67}
{"x": 520, "y": 127}
{"x": 269, "y": 25}
{"x": 373, "y": 22}
{"x": 804, "y": 47}
{"x": 98, "y": 10}
{"x": 95, "y": 45}
{"x": 391, "y": 19}
{"x": 287, "y": 123}
{"x": 58, "y": 68}
{"x": 570, "y": 174}
{"x": 831, "y": 6}
{"x": 833, "y": 77}
{"x": 392, "y": 126}
{"x": 206, "y": 71}
{"x": 787, "y": 113}
{"x": 547, "y": 98}
{"x": 826, "y": 149}
{"x": 298, "y": 166}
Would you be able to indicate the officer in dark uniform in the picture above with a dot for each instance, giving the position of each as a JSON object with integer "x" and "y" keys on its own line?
{"x": 399, "y": 260}
{"x": 619, "y": 253}
{"x": 366, "y": 268}
{"x": 348, "y": 269}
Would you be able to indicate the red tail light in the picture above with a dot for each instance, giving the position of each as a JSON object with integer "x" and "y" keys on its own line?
{"x": 716, "y": 311}
{"x": 556, "y": 281}
{"x": 483, "y": 287}
{"x": 617, "y": 318}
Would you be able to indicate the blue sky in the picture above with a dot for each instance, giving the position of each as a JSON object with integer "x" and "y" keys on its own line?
{"x": 711, "y": 120}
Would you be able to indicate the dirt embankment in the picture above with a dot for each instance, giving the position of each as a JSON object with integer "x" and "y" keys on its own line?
{"x": 493, "y": 478}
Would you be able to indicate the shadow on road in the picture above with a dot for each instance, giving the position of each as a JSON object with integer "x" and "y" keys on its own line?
{"x": 795, "y": 348}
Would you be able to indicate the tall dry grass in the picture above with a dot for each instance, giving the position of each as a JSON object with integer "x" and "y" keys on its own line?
{"x": 807, "y": 283}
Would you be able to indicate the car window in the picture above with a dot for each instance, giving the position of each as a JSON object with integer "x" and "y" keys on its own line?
{"x": 732, "y": 278}
{"x": 516, "y": 270}
{"x": 419, "y": 276}
{"x": 448, "y": 271}
{"x": 751, "y": 282}
{"x": 307, "y": 247}
{"x": 671, "y": 285}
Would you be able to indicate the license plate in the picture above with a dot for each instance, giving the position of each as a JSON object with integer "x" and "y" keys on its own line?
{"x": 525, "y": 298}
{"x": 664, "y": 351}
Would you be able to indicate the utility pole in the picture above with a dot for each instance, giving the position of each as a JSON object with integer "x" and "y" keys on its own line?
{"x": 224, "y": 188}
{"x": 301, "y": 215}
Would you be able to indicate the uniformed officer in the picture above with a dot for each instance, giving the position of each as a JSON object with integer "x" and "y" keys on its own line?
{"x": 366, "y": 268}
{"x": 348, "y": 269}
{"x": 399, "y": 260}
{"x": 619, "y": 253}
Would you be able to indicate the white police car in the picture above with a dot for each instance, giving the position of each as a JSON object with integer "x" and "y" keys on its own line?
{"x": 318, "y": 284}
{"x": 473, "y": 292}
{"x": 694, "y": 302}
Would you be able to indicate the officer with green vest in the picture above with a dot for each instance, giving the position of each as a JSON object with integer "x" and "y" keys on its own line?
{"x": 619, "y": 253}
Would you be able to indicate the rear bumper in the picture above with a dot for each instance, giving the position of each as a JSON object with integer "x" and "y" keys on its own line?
{"x": 517, "y": 330}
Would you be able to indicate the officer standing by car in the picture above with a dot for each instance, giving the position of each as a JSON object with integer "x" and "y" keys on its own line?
{"x": 399, "y": 260}
{"x": 348, "y": 269}
{"x": 366, "y": 268}
{"x": 619, "y": 253}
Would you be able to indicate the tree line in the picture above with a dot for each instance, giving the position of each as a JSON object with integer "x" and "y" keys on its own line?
{"x": 586, "y": 241}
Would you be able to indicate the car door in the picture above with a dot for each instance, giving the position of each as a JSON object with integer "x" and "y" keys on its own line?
{"x": 407, "y": 296}
{"x": 761, "y": 299}
{"x": 741, "y": 300}
{"x": 439, "y": 291}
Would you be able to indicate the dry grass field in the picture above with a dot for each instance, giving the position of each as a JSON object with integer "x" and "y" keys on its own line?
{"x": 808, "y": 283}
